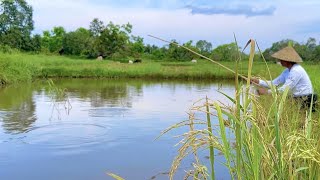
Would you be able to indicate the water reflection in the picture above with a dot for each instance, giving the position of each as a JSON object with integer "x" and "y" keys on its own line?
{"x": 102, "y": 92}
{"x": 103, "y": 96}
{"x": 20, "y": 108}
{"x": 111, "y": 127}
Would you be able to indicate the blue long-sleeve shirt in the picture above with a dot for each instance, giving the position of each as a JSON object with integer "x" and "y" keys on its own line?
{"x": 296, "y": 79}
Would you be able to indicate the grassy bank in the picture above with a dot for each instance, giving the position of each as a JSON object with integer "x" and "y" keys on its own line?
{"x": 21, "y": 67}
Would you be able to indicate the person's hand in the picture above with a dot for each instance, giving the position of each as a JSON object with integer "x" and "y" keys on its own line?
{"x": 254, "y": 81}
{"x": 262, "y": 91}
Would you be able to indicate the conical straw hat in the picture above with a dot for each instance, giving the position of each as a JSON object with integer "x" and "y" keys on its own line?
{"x": 287, "y": 54}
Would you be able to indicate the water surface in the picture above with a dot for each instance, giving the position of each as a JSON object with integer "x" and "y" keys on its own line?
{"x": 99, "y": 126}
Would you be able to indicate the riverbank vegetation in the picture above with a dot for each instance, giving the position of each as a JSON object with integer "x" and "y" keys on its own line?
{"x": 22, "y": 67}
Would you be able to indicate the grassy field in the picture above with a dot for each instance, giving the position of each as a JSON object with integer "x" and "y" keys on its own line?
{"x": 21, "y": 67}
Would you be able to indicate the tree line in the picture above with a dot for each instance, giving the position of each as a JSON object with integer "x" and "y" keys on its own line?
{"x": 113, "y": 41}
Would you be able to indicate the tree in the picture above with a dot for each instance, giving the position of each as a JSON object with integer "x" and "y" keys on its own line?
{"x": 311, "y": 44}
{"x": 137, "y": 47}
{"x": 36, "y": 43}
{"x": 45, "y": 41}
{"x": 181, "y": 54}
{"x": 155, "y": 52}
{"x": 113, "y": 39}
{"x": 316, "y": 54}
{"x": 225, "y": 52}
{"x": 96, "y": 27}
{"x": 78, "y": 42}
{"x": 57, "y": 39}
{"x": 16, "y": 23}
{"x": 204, "y": 47}
{"x": 53, "y": 40}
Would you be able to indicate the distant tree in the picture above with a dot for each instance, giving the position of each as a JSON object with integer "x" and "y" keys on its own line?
{"x": 316, "y": 54}
{"x": 204, "y": 47}
{"x": 114, "y": 38}
{"x": 311, "y": 49}
{"x": 136, "y": 46}
{"x": 78, "y": 42}
{"x": 225, "y": 52}
{"x": 160, "y": 53}
{"x": 311, "y": 44}
{"x": 45, "y": 41}
{"x": 148, "y": 49}
{"x": 154, "y": 52}
{"x": 53, "y": 40}
{"x": 36, "y": 43}
{"x": 16, "y": 23}
{"x": 174, "y": 52}
{"x": 96, "y": 27}
{"x": 188, "y": 54}
{"x": 57, "y": 39}
{"x": 304, "y": 52}
{"x": 178, "y": 53}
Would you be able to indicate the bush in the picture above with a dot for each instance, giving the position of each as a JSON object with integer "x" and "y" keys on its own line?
{"x": 8, "y": 49}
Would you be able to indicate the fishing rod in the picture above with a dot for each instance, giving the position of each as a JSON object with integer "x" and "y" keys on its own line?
{"x": 225, "y": 67}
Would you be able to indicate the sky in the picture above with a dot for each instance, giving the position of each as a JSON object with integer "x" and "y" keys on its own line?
{"x": 266, "y": 21}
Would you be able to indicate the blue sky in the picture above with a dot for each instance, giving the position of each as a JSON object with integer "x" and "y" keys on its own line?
{"x": 183, "y": 20}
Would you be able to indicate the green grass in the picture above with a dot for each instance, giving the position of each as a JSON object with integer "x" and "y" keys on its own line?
{"x": 20, "y": 67}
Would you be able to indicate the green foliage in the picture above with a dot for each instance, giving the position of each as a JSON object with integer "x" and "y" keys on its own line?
{"x": 113, "y": 38}
{"x": 96, "y": 27}
{"x": 53, "y": 41}
{"x": 36, "y": 43}
{"x": 136, "y": 46}
{"x": 108, "y": 39}
{"x": 180, "y": 54}
{"x": 16, "y": 24}
{"x": 154, "y": 52}
{"x": 204, "y": 47}
{"x": 226, "y": 52}
{"x": 309, "y": 51}
{"x": 7, "y": 49}
{"x": 77, "y": 42}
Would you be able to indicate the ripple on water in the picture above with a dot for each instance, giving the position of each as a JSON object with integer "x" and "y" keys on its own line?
{"x": 67, "y": 137}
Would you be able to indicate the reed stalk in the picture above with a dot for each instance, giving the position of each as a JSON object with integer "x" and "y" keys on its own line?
{"x": 237, "y": 112}
{"x": 211, "y": 156}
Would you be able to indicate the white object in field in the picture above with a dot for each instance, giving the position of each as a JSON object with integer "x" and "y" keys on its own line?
{"x": 130, "y": 62}
{"x": 100, "y": 58}
{"x": 194, "y": 61}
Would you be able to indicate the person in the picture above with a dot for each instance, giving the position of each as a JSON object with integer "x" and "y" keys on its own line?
{"x": 293, "y": 77}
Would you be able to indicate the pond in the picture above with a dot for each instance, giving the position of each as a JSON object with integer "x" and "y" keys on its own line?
{"x": 100, "y": 126}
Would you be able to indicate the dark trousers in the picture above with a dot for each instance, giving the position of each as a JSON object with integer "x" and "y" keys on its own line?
{"x": 307, "y": 101}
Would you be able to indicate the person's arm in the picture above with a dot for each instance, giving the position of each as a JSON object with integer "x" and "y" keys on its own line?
{"x": 276, "y": 82}
{"x": 291, "y": 81}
